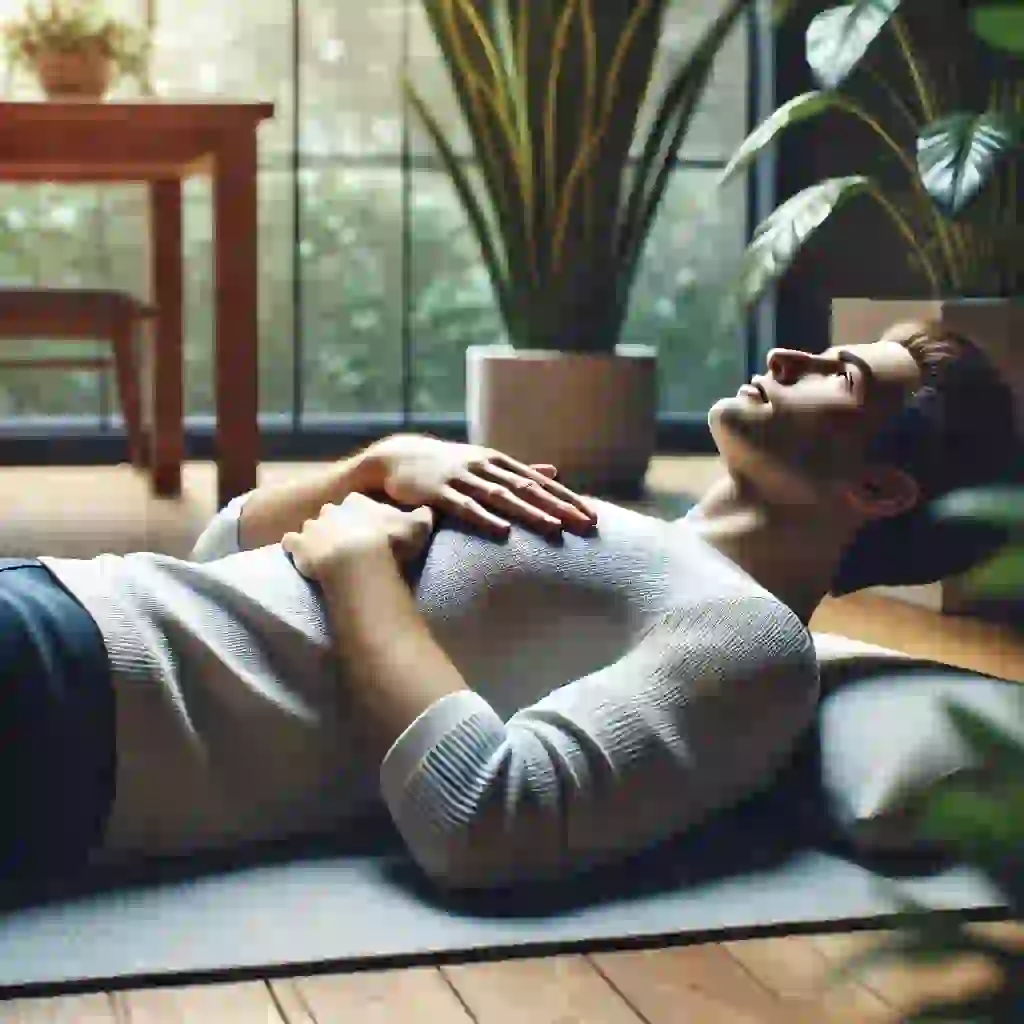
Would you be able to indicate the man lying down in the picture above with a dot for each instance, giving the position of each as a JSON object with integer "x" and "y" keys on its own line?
{"x": 532, "y": 683}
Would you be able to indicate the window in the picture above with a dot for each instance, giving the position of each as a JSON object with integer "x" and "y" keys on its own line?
{"x": 371, "y": 283}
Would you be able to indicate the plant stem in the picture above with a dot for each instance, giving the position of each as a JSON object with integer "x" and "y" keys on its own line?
{"x": 908, "y": 233}
{"x": 903, "y": 39}
{"x": 930, "y": 111}
{"x": 942, "y": 232}
{"x": 894, "y": 98}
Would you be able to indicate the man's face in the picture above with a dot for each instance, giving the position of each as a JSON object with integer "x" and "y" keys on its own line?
{"x": 803, "y": 428}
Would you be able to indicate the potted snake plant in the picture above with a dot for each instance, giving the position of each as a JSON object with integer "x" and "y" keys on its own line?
{"x": 551, "y": 94}
{"x": 958, "y": 211}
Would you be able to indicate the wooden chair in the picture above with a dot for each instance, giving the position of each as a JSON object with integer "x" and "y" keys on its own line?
{"x": 84, "y": 315}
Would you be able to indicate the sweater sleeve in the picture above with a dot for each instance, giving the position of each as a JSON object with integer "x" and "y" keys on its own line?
{"x": 700, "y": 713}
{"x": 220, "y": 535}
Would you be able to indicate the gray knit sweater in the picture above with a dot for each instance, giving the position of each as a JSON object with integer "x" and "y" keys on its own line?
{"x": 622, "y": 687}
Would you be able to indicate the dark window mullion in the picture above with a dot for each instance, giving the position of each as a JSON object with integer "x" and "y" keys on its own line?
{"x": 406, "y": 214}
{"x": 298, "y": 357}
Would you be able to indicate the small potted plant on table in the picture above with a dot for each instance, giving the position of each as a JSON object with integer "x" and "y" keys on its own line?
{"x": 75, "y": 49}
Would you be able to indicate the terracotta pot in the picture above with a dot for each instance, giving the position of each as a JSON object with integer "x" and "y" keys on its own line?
{"x": 77, "y": 74}
{"x": 994, "y": 325}
{"x": 592, "y": 415}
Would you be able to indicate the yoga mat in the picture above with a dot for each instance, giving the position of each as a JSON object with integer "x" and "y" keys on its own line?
{"x": 755, "y": 870}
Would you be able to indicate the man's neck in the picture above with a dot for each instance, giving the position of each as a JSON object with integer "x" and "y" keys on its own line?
{"x": 793, "y": 552}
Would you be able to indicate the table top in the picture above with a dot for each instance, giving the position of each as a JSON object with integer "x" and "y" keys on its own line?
{"x": 156, "y": 112}
{"x": 113, "y": 140}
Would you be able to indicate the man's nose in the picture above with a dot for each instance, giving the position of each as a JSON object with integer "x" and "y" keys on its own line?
{"x": 786, "y": 364}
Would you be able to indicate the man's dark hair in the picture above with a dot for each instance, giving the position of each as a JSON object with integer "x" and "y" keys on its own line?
{"x": 955, "y": 431}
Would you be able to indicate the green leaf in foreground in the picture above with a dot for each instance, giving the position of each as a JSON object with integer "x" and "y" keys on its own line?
{"x": 958, "y": 155}
{"x": 999, "y": 505}
{"x": 1001, "y": 26}
{"x": 783, "y": 233}
{"x": 1002, "y": 577}
{"x": 800, "y": 108}
{"x": 838, "y": 39}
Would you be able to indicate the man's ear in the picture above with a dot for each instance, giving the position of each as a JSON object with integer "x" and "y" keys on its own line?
{"x": 882, "y": 492}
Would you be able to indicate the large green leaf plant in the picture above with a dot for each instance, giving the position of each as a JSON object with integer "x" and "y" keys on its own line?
{"x": 959, "y": 215}
{"x": 960, "y": 220}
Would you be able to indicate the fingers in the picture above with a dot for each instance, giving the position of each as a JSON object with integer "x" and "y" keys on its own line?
{"x": 467, "y": 509}
{"x": 560, "y": 491}
{"x": 535, "y": 490}
{"x": 529, "y": 507}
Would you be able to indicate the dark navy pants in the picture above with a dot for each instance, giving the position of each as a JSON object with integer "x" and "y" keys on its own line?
{"x": 57, "y": 727}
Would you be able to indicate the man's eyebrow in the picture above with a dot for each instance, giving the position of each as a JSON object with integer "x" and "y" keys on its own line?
{"x": 846, "y": 356}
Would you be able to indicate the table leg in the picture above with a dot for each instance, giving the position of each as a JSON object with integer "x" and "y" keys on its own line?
{"x": 167, "y": 433}
{"x": 237, "y": 315}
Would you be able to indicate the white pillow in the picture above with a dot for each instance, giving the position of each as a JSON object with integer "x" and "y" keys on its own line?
{"x": 885, "y": 738}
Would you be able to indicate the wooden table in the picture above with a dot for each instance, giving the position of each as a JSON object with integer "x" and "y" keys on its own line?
{"x": 161, "y": 143}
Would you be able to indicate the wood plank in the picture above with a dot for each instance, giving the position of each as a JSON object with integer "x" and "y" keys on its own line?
{"x": 91, "y": 1009}
{"x": 290, "y": 1002}
{"x": 146, "y": 115}
{"x": 796, "y": 970}
{"x": 418, "y": 995}
{"x": 691, "y": 983}
{"x": 242, "y": 1003}
{"x": 966, "y": 642}
{"x": 554, "y": 990}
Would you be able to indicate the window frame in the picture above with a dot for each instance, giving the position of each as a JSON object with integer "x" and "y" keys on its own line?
{"x": 98, "y": 439}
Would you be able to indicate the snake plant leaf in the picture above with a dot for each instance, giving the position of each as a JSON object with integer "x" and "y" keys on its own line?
{"x": 489, "y": 250}
{"x": 677, "y": 108}
{"x": 780, "y": 237}
{"x": 800, "y": 108}
{"x": 838, "y": 39}
{"x": 1001, "y": 26}
{"x": 958, "y": 155}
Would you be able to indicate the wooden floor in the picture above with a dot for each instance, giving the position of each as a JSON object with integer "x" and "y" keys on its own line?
{"x": 82, "y": 512}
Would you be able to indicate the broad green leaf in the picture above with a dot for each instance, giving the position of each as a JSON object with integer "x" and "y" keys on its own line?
{"x": 1001, "y": 26}
{"x": 1001, "y": 577}
{"x": 991, "y": 742}
{"x": 800, "y": 108}
{"x": 957, "y": 156}
{"x": 980, "y": 822}
{"x": 837, "y": 39}
{"x": 1000, "y": 506}
{"x": 783, "y": 233}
